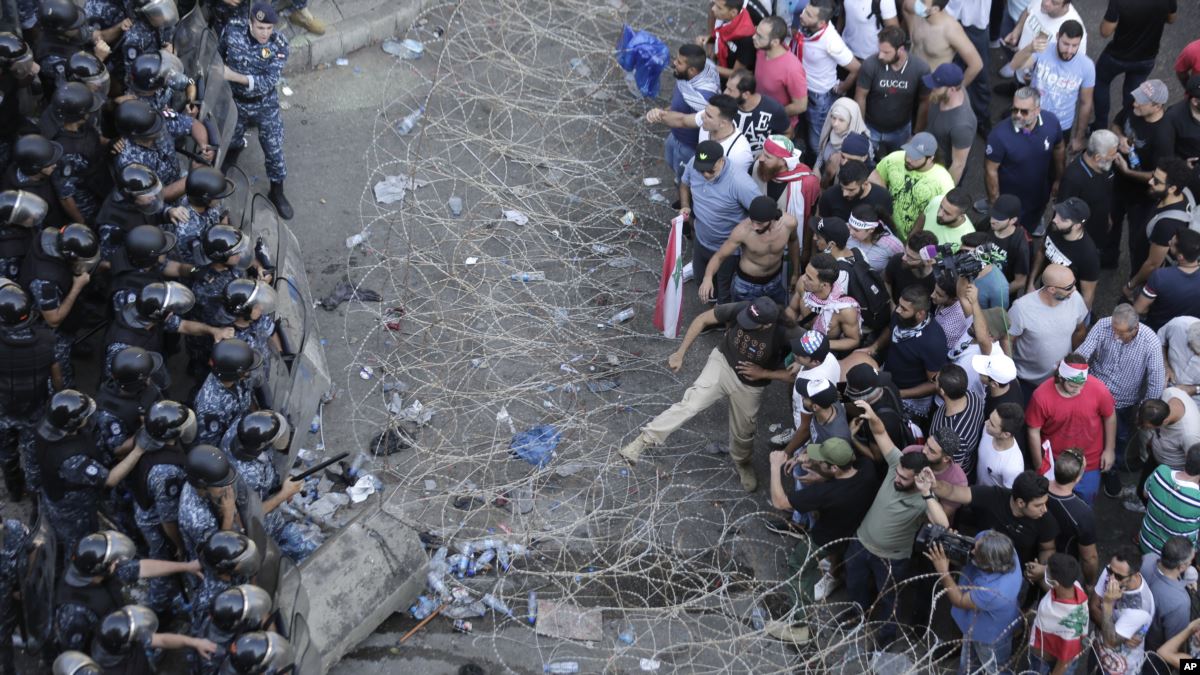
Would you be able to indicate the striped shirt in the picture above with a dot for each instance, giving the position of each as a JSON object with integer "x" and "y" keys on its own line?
{"x": 1132, "y": 372}
{"x": 1173, "y": 509}
{"x": 968, "y": 424}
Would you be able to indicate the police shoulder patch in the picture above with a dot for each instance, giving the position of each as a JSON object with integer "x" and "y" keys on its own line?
{"x": 91, "y": 470}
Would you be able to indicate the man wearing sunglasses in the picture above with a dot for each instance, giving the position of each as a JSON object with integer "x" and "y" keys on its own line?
{"x": 1122, "y": 607}
{"x": 1026, "y": 156}
{"x": 1039, "y": 325}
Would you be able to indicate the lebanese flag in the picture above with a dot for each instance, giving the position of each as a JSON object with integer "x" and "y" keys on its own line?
{"x": 1060, "y": 626}
{"x": 667, "y": 309}
{"x": 1047, "y": 468}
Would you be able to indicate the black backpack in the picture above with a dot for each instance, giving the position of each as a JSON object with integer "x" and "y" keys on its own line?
{"x": 867, "y": 287}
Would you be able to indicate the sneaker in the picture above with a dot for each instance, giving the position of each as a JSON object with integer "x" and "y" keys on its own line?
{"x": 785, "y": 527}
{"x": 782, "y": 438}
{"x": 745, "y": 473}
{"x": 634, "y": 449}
{"x": 995, "y": 44}
{"x": 795, "y": 634}
{"x": 1111, "y": 483}
{"x": 1134, "y": 504}
{"x": 825, "y": 587}
{"x": 1128, "y": 491}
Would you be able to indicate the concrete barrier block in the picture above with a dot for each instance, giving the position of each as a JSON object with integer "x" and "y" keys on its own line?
{"x": 356, "y": 32}
{"x": 383, "y": 28}
{"x": 325, "y": 48}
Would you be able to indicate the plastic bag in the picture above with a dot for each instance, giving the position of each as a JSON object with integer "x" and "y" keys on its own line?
{"x": 536, "y": 445}
{"x": 645, "y": 56}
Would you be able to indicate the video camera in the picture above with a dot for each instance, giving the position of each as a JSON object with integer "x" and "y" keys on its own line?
{"x": 957, "y": 547}
{"x": 949, "y": 265}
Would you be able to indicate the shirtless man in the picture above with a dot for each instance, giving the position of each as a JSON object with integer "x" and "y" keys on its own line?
{"x": 816, "y": 304}
{"x": 762, "y": 238}
{"x": 937, "y": 37}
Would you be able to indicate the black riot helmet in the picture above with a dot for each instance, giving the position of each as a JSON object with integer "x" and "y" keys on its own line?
{"x": 158, "y": 13}
{"x": 96, "y": 553}
{"x": 240, "y": 609}
{"x": 167, "y": 422}
{"x": 137, "y": 179}
{"x": 75, "y": 663}
{"x": 230, "y": 553}
{"x": 233, "y": 359}
{"x": 259, "y": 430}
{"x": 207, "y": 467}
{"x": 152, "y": 71}
{"x": 138, "y": 120}
{"x": 59, "y": 16}
{"x": 132, "y": 366}
{"x": 158, "y": 300}
{"x": 15, "y": 305}
{"x": 260, "y": 653}
{"x": 145, "y": 243}
{"x": 22, "y": 208}
{"x": 69, "y": 412}
{"x": 74, "y": 102}
{"x": 129, "y": 628}
{"x": 34, "y": 152}
{"x": 75, "y": 244}
{"x": 85, "y": 67}
{"x": 206, "y": 185}
{"x": 242, "y": 296}
{"x": 222, "y": 242}
{"x": 13, "y": 50}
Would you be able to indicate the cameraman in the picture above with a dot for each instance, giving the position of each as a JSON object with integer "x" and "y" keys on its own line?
{"x": 1019, "y": 512}
{"x": 992, "y": 286}
{"x": 988, "y": 612}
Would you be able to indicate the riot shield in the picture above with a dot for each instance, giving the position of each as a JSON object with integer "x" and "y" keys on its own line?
{"x": 37, "y": 586}
{"x": 291, "y": 604}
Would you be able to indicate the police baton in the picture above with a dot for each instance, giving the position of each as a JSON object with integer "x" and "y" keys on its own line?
{"x": 320, "y": 466}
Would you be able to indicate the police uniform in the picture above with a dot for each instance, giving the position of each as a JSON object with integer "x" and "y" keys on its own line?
{"x": 261, "y": 477}
{"x": 198, "y": 517}
{"x": 14, "y": 242}
{"x": 48, "y": 281}
{"x": 12, "y": 570}
{"x": 258, "y": 103}
{"x": 258, "y": 335}
{"x": 71, "y": 476}
{"x": 26, "y": 357}
{"x": 187, "y": 248}
{"x": 156, "y": 481}
{"x": 117, "y": 216}
{"x": 104, "y": 13}
{"x": 208, "y": 285}
{"x": 43, "y": 187}
{"x": 142, "y": 38}
{"x": 119, "y": 413}
{"x": 52, "y": 51}
{"x": 219, "y": 407}
{"x": 220, "y": 638}
{"x": 79, "y": 607}
{"x": 160, "y": 157}
{"x": 82, "y": 171}
{"x": 128, "y": 280}
{"x": 122, "y": 334}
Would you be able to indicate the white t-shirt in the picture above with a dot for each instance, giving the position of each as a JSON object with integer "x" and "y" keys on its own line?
{"x": 828, "y": 369}
{"x": 1170, "y": 443}
{"x": 997, "y": 467}
{"x": 1038, "y": 22}
{"x": 974, "y": 13}
{"x": 861, "y": 33}
{"x": 736, "y": 147}
{"x": 1180, "y": 356}
{"x": 1132, "y": 614}
{"x": 822, "y": 58}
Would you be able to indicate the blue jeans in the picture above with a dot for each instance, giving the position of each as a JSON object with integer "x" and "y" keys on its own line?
{"x": 864, "y": 572}
{"x": 1088, "y": 486}
{"x": 1107, "y": 70}
{"x": 775, "y": 289}
{"x": 723, "y": 279}
{"x": 992, "y": 658}
{"x": 883, "y": 142}
{"x": 979, "y": 93}
{"x": 678, "y": 155}
{"x": 1041, "y": 667}
{"x": 819, "y": 104}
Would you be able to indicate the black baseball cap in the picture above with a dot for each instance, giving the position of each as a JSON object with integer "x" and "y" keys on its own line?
{"x": 834, "y": 229}
{"x": 764, "y": 209}
{"x": 761, "y": 312}
{"x": 707, "y": 154}
{"x": 1193, "y": 86}
{"x": 861, "y": 381}
{"x": 1006, "y": 206}
{"x": 1073, "y": 209}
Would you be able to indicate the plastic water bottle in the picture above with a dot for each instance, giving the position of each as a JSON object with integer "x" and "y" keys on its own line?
{"x": 625, "y": 637}
{"x": 531, "y": 608}
{"x": 410, "y": 120}
{"x": 756, "y": 618}
{"x": 497, "y": 604}
{"x": 356, "y": 465}
{"x": 621, "y": 316}
{"x": 561, "y": 667}
{"x": 423, "y": 608}
{"x": 456, "y": 206}
{"x": 536, "y": 275}
{"x": 468, "y": 552}
{"x": 1133, "y": 160}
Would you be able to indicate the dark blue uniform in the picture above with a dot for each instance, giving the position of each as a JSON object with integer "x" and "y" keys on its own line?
{"x": 218, "y": 408}
{"x": 12, "y": 569}
{"x": 258, "y": 102}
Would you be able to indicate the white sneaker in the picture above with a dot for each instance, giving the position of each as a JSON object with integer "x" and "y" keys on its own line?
{"x": 825, "y": 587}
{"x": 1134, "y": 504}
{"x": 1127, "y": 492}
{"x": 782, "y": 438}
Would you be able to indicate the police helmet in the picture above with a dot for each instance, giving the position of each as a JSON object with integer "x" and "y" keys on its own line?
{"x": 231, "y": 553}
{"x": 138, "y": 120}
{"x": 159, "y": 299}
{"x": 75, "y": 244}
{"x": 145, "y": 243}
{"x": 34, "y": 152}
{"x": 206, "y": 185}
{"x": 233, "y": 359}
{"x": 59, "y": 16}
{"x": 167, "y": 422}
{"x": 15, "y": 305}
{"x": 132, "y": 366}
{"x": 222, "y": 242}
{"x": 207, "y": 467}
{"x": 258, "y": 430}
{"x": 97, "y": 552}
{"x": 138, "y": 180}
{"x": 13, "y": 49}
{"x": 69, "y": 411}
{"x": 74, "y": 102}
{"x": 152, "y": 71}
{"x": 241, "y": 608}
{"x": 261, "y": 653}
{"x": 75, "y": 663}
{"x": 22, "y": 208}
{"x": 241, "y": 296}
{"x": 158, "y": 13}
{"x": 131, "y": 627}
{"x": 86, "y": 68}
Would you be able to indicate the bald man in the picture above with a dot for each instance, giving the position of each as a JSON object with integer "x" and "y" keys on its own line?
{"x": 1037, "y": 326}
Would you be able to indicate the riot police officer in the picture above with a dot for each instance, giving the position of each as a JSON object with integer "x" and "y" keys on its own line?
{"x": 125, "y": 635}
{"x": 142, "y": 261}
{"x": 153, "y": 29}
{"x": 205, "y": 188}
{"x": 260, "y": 653}
{"x": 167, "y": 429}
{"x": 73, "y": 662}
{"x": 250, "y": 303}
{"x": 225, "y": 395}
{"x": 248, "y": 445}
{"x": 150, "y": 141}
{"x": 70, "y": 472}
{"x": 125, "y": 397}
{"x": 35, "y": 159}
{"x": 135, "y": 200}
{"x": 85, "y": 68}
{"x": 101, "y": 566}
{"x": 63, "y": 30}
{"x": 228, "y": 252}
{"x": 227, "y": 559}
{"x": 235, "y": 611}
{"x": 17, "y": 71}
{"x": 13, "y": 546}
{"x": 255, "y": 54}
{"x": 27, "y": 367}
{"x": 57, "y": 268}
{"x": 81, "y": 177}
{"x": 21, "y": 215}
{"x": 214, "y": 498}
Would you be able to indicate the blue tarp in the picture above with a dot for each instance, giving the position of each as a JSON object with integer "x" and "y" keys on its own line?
{"x": 645, "y": 56}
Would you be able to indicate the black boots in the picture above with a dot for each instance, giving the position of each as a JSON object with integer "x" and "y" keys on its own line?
{"x": 282, "y": 205}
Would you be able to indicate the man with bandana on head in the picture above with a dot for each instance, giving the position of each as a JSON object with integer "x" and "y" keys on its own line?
{"x": 761, "y": 240}
{"x": 1074, "y": 410}
{"x": 781, "y": 176}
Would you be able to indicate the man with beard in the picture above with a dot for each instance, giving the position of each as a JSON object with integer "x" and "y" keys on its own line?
{"x": 761, "y": 240}
{"x": 749, "y": 357}
{"x": 946, "y": 217}
{"x": 939, "y": 38}
{"x": 951, "y": 120}
{"x": 779, "y": 174}
{"x": 1069, "y": 245}
{"x": 1170, "y": 215}
{"x": 914, "y": 178}
{"x": 1008, "y": 234}
{"x": 822, "y": 52}
{"x": 1025, "y": 156}
{"x": 819, "y": 304}
{"x": 1090, "y": 178}
{"x": 780, "y": 74}
{"x": 1039, "y": 322}
{"x": 1039, "y": 18}
{"x": 853, "y": 189}
{"x": 718, "y": 122}
{"x": 1144, "y": 136}
{"x": 1064, "y": 77}
{"x": 759, "y": 116}
{"x": 696, "y": 81}
{"x": 891, "y": 91}
{"x": 911, "y": 267}
{"x": 916, "y": 351}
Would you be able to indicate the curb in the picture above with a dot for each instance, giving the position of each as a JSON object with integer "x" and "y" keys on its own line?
{"x": 354, "y": 33}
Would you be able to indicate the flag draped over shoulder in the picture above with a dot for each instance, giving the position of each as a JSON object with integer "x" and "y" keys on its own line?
{"x": 668, "y": 307}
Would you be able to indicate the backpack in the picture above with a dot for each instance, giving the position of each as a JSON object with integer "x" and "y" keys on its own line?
{"x": 1188, "y": 212}
{"x": 867, "y": 287}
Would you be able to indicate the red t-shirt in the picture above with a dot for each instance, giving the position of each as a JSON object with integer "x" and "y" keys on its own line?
{"x": 1075, "y": 422}
{"x": 782, "y": 78}
{"x": 1189, "y": 59}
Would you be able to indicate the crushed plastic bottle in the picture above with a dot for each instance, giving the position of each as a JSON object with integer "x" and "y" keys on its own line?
{"x": 456, "y": 206}
{"x": 621, "y": 316}
{"x": 315, "y": 425}
{"x": 561, "y": 667}
{"x": 626, "y": 637}
{"x": 467, "y": 554}
{"x": 531, "y": 608}
{"x": 423, "y": 607}
{"x": 757, "y": 619}
{"x": 406, "y": 125}
{"x": 497, "y": 605}
{"x": 536, "y": 275}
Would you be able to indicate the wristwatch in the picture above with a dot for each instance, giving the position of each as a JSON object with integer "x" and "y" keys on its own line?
{"x": 929, "y": 496}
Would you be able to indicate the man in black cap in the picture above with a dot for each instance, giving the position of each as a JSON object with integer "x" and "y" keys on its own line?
{"x": 761, "y": 238}
{"x": 1067, "y": 243}
{"x": 718, "y": 197}
{"x": 1011, "y": 237}
{"x": 748, "y": 358}
{"x": 832, "y": 235}
{"x": 864, "y": 383}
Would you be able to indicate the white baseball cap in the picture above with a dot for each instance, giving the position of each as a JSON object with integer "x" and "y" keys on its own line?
{"x": 997, "y": 366}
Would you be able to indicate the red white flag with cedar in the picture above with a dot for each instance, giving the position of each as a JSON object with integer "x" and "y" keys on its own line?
{"x": 667, "y": 310}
